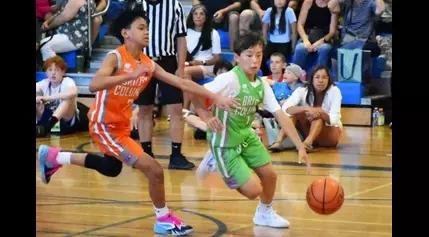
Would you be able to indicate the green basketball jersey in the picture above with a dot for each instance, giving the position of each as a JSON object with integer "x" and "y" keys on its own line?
{"x": 237, "y": 124}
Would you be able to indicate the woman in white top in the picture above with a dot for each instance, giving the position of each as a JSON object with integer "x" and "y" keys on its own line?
{"x": 316, "y": 108}
{"x": 56, "y": 99}
{"x": 205, "y": 40}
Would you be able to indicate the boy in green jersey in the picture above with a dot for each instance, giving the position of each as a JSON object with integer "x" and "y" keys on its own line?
{"x": 233, "y": 142}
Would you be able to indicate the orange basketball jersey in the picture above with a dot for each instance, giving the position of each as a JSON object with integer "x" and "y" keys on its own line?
{"x": 114, "y": 106}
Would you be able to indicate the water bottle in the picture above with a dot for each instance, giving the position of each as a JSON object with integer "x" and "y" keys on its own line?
{"x": 380, "y": 119}
{"x": 375, "y": 117}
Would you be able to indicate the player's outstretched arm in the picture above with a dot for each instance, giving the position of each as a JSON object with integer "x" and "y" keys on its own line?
{"x": 192, "y": 87}
{"x": 205, "y": 117}
{"x": 103, "y": 78}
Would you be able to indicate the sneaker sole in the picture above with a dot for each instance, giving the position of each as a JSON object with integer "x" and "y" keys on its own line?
{"x": 43, "y": 153}
{"x": 161, "y": 231}
{"x": 176, "y": 167}
{"x": 266, "y": 225}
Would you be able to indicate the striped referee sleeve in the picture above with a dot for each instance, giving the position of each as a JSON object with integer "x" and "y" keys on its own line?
{"x": 181, "y": 20}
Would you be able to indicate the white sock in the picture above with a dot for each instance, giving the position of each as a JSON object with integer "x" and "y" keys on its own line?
{"x": 264, "y": 207}
{"x": 161, "y": 211}
{"x": 64, "y": 158}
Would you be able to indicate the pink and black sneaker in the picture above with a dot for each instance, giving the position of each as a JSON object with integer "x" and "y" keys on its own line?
{"x": 171, "y": 225}
{"x": 48, "y": 162}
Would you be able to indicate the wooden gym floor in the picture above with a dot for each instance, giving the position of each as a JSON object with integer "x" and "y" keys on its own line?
{"x": 81, "y": 202}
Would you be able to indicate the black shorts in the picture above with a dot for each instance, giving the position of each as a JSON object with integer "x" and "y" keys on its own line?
{"x": 66, "y": 127}
{"x": 169, "y": 94}
{"x": 79, "y": 122}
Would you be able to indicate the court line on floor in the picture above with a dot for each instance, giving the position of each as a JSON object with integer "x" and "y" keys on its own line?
{"x": 65, "y": 233}
{"x": 113, "y": 225}
{"x": 368, "y": 190}
{"x": 221, "y": 226}
{"x": 281, "y": 163}
{"x": 113, "y": 201}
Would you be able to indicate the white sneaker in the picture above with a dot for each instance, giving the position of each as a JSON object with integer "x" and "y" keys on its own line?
{"x": 208, "y": 164}
{"x": 270, "y": 218}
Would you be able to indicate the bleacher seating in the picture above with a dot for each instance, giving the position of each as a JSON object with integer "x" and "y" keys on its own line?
{"x": 224, "y": 39}
{"x": 70, "y": 59}
{"x": 352, "y": 92}
{"x": 102, "y": 32}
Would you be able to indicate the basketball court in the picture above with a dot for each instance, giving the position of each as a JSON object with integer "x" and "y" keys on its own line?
{"x": 81, "y": 202}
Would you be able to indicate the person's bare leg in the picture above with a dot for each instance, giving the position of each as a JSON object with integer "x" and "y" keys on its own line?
{"x": 155, "y": 175}
{"x": 281, "y": 137}
{"x": 176, "y": 122}
{"x": 65, "y": 110}
{"x": 233, "y": 19}
{"x": 191, "y": 72}
{"x": 96, "y": 23}
{"x": 39, "y": 110}
{"x": 268, "y": 178}
{"x": 265, "y": 214}
{"x": 245, "y": 20}
{"x": 148, "y": 166}
{"x": 196, "y": 122}
{"x": 315, "y": 129}
{"x": 145, "y": 124}
{"x": 328, "y": 137}
{"x": 251, "y": 189}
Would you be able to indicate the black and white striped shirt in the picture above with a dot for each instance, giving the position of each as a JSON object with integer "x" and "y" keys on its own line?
{"x": 166, "y": 22}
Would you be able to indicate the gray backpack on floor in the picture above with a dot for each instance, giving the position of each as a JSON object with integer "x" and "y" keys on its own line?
{"x": 272, "y": 129}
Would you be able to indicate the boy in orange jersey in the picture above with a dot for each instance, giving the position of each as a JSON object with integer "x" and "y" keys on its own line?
{"x": 124, "y": 73}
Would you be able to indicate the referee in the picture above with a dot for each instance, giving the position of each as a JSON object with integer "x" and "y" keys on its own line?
{"x": 167, "y": 47}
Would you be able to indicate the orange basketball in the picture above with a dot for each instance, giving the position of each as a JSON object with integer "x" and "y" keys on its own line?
{"x": 325, "y": 196}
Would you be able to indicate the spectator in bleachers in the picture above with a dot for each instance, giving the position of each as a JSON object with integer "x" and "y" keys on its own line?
{"x": 249, "y": 22}
{"x": 316, "y": 108}
{"x": 221, "y": 66}
{"x": 192, "y": 119}
{"x": 43, "y": 12}
{"x": 296, "y": 5}
{"x": 203, "y": 44}
{"x": 358, "y": 21}
{"x": 316, "y": 26}
{"x": 225, "y": 15}
{"x": 260, "y": 6}
{"x": 279, "y": 30}
{"x": 56, "y": 100}
{"x": 282, "y": 91}
{"x": 72, "y": 23}
{"x": 98, "y": 20}
{"x": 277, "y": 66}
{"x": 384, "y": 24}
{"x": 384, "y": 33}
{"x": 291, "y": 80}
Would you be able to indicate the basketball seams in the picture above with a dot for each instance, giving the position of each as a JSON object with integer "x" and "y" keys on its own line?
{"x": 335, "y": 196}
{"x": 324, "y": 207}
{"x": 312, "y": 194}
{"x": 324, "y": 194}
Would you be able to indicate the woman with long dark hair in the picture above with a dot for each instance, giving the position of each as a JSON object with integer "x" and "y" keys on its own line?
{"x": 203, "y": 44}
{"x": 316, "y": 109}
{"x": 279, "y": 29}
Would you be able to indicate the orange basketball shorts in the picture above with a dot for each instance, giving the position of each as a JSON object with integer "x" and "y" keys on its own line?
{"x": 116, "y": 142}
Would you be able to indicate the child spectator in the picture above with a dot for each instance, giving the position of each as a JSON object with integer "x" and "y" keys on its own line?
{"x": 56, "y": 101}
{"x": 279, "y": 30}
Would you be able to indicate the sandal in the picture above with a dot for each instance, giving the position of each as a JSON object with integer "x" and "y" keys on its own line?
{"x": 275, "y": 147}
